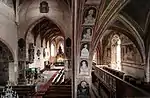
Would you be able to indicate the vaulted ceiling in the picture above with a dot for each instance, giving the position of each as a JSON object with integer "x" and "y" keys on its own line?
{"x": 46, "y": 29}
{"x": 138, "y": 11}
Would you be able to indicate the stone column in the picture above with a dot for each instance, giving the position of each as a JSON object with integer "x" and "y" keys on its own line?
{"x": 13, "y": 74}
{"x": 147, "y": 68}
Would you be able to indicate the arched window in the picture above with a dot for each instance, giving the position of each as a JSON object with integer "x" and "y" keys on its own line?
{"x": 95, "y": 57}
{"x": 62, "y": 47}
{"x": 116, "y": 52}
{"x": 52, "y": 49}
{"x": 60, "y": 44}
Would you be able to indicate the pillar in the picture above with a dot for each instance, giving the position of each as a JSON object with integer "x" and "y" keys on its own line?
{"x": 13, "y": 73}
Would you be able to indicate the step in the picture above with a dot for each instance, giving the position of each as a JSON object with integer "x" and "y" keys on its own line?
{"x": 59, "y": 92}
{"x": 61, "y": 85}
{"x": 59, "y": 88}
{"x": 57, "y": 96}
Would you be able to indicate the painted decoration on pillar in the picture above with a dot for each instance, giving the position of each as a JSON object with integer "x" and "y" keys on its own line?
{"x": 83, "y": 68}
{"x": 89, "y": 16}
{"x": 87, "y": 34}
{"x": 83, "y": 90}
{"x": 85, "y": 50}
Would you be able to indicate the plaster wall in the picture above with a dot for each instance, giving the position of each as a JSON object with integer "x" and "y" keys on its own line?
{"x": 133, "y": 70}
{"x": 8, "y": 35}
{"x": 58, "y": 13}
{"x": 8, "y": 29}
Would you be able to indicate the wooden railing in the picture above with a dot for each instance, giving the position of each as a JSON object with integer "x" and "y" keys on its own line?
{"x": 58, "y": 77}
{"x": 115, "y": 86}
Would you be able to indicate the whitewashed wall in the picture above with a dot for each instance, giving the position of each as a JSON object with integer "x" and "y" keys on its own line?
{"x": 58, "y": 13}
{"x": 8, "y": 35}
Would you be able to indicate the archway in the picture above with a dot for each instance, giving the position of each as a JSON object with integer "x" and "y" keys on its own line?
{"x": 42, "y": 32}
{"x": 6, "y": 57}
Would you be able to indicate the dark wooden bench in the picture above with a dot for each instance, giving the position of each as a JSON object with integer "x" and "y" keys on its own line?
{"x": 114, "y": 72}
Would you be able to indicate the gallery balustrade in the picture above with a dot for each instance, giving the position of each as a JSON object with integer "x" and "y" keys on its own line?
{"x": 113, "y": 86}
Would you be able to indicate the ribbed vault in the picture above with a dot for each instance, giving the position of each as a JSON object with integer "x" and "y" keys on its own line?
{"x": 46, "y": 29}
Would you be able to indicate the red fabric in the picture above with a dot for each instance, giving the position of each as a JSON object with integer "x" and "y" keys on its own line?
{"x": 43, "y": 88}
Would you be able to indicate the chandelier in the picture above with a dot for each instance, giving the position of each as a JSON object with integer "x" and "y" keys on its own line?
{"x": 8, "y": 92}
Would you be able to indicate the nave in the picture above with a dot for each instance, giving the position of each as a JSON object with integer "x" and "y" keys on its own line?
{"x": 74, "y": 48}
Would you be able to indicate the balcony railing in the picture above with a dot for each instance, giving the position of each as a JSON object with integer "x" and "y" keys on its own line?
{"x": 117, "y": 87}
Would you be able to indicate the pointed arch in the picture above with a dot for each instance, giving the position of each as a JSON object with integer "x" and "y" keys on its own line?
{"x": 38, "y": 21}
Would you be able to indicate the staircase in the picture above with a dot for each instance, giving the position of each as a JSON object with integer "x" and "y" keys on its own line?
{"x": 60, "y": 88}
{"x": 58, "y": 91}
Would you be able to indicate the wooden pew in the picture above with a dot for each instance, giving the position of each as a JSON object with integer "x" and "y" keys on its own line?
{"x": 114, "y": 72}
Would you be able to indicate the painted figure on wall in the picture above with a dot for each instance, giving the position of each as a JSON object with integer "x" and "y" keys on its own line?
{"x": 87, "y": 34}
{"x": 83, "y": 90}
{"x": 90, "y": 16}
{"x": 83, "y": 69}
{"x": 129, "y": 56}
{"x": 84, "y": 51}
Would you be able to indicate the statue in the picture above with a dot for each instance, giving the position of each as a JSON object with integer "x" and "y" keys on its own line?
{"x": 87, "y": 35}
{"x": 90, "y": 18}
{"x": 84, "y": 52}
{"x": 83, "y": 68}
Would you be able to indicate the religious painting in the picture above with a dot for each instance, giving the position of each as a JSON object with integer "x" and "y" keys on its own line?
{"x": 8, "y": 2}
{"x": 44, "y": 53}
{"x": 21, "y": 49}
{"x": 83, "y": 68}
{"x": 68, "y": 42}
{"x": 87, "y": 34}
{"x": 89, "y": 16}
{"x": 44, "y": 8}
{"x": 68, "y": 52}
{"x": 5, "y": 53}
{"x": 84, "y": 50}
{"x": 130, "y": 52}
{"x": 31, "y": 52}
{"x": 83, "y": 90}
{"x": 38, "y": 53}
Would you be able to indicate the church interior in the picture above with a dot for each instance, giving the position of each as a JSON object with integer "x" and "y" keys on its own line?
{"x": 74, "y": 48}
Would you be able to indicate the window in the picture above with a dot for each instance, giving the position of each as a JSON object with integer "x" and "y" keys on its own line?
{"x": 62, "y": 47}
{"x": 116, "y": 52}
{"x": 52, "y": 50}
{"x": 95, "y": 57}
